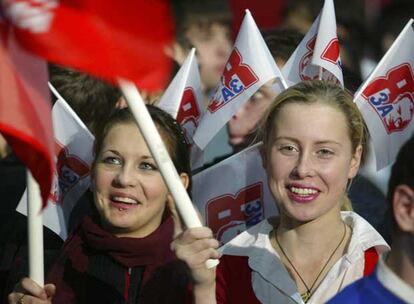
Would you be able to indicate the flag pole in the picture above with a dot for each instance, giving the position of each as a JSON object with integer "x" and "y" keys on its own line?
{"x": 66, "y": 106}
{"x": 159, "y": 152}
{"x": 383, "y": 59}
{"x": 35, "y": 230}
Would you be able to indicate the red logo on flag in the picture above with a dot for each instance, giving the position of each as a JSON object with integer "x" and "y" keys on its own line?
{"x": 306, "y": 59}
{"x": 392, "y": 97}
{"x": 237, "y": 77}
{"x": 189, "y": 114}
{"x": 228, "y": 215}
{"x": 307, "y": 71}
{"x": 70, "y": 170}
{"x": 331, "y": 52}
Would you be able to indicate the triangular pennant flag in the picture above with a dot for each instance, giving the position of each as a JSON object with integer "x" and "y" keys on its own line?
{"x": 25, "y": 119}
{"x": 386, "y": 99}
{"x": 230, "y": 205}
{"x": 73, "y": 143}
{"x": 188, "y": 76}
{"x": 183, "y": 99}
{"x": 249, "y": 66}
{"x": 317, "y": 56}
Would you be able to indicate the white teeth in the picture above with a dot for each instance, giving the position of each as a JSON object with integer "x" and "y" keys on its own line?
{"x": 125, "y": 200}
{"x": 303, "y": 191}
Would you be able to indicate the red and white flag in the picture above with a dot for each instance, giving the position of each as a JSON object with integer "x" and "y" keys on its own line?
{"x": 317, "y": 56}
{"x": 183, "y": 99}
{"x": 73, "y": 147}
{"x": 25, "y": 119}
{"x": 249, "y": 66}
{"x": 233, "y": 195}
{"x": 106, "y": 38}
{"x": 386, "y": 99}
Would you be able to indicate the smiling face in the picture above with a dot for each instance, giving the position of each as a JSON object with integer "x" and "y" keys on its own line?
{"x": 130, "y": 194}
{"x": 309, "y": 160}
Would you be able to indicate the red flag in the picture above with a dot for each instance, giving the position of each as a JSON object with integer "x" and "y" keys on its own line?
{"x": 25, "y": 112}
{"x": 103, "y": 37}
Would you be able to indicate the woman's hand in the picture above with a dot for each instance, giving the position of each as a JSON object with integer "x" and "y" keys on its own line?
{"x": 29, "y": 292}
{"x": 195, "y": 246}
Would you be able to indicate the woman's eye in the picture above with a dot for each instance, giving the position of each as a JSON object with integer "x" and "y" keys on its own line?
{"x": 147, "y": 166}
{"x": 112, "y": 160}
{"x": 325, "y": 153}
{"x": 288, "y": 149}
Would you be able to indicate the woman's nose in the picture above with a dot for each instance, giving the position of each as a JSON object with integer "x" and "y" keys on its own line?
{"x": 305, "y": 166}
{"x": 126, "y": 176}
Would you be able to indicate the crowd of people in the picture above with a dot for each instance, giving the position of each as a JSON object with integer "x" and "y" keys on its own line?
{"x": 338, "y": 237}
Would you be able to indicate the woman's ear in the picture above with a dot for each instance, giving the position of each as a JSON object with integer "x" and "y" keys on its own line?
{"x": 403, "y": 207}
{"x": 355, "y": 162}
{"x": 185, "y": 179}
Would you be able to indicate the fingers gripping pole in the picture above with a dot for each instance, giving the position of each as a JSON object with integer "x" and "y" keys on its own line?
{"x": 161, "y": 157}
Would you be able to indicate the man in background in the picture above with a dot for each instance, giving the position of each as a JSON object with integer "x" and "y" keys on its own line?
{"x": 393, "y": 279}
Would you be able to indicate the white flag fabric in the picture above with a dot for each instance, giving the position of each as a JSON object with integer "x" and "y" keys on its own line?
{"x": 173, "y": 100}
{"x": 317, "y": 56}
{"x": 73, "y": 144}
{"x": 183, "y": 99}
{"x": 249, "y": 66}
{"x": 386, "y": 99}
{"x": 233, "y": 195}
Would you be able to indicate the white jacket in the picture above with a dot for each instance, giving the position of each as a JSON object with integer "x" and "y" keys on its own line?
{"x": 272, "y": 283}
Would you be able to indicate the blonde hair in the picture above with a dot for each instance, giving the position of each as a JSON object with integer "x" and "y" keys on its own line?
{"x": 317, "y": 91}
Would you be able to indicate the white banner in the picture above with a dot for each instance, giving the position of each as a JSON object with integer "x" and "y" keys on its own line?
{"x": 386, "y": 99}
{"x": 73, "y": 144}
{"x": 317, "y": 56}
{"x": 249, "y": 66}
{"x": 233, "y": 195}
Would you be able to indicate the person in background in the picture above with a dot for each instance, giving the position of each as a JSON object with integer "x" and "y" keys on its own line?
{"x": 300, "y": 14}
{"x": 314, "y": 140}
{"x": 392, "y": 19}
{"x": 393, "y": 279}
{"x": 351, "y": 31}
{"x": 121, "y": 251}
{"x": 92, "y": 99}
{"x": 205, "y": 25}
{"x": 243, "y": 125}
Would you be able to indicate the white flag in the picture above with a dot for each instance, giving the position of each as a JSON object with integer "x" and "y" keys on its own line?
{"x": 317, "y": 55}
{"x": 233, "y": 195}
{"x": 73, "y": 143}
{"x": 249, "y": 66}
{"x": 183, "y": 99}
{"x": 386, "y": 99}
